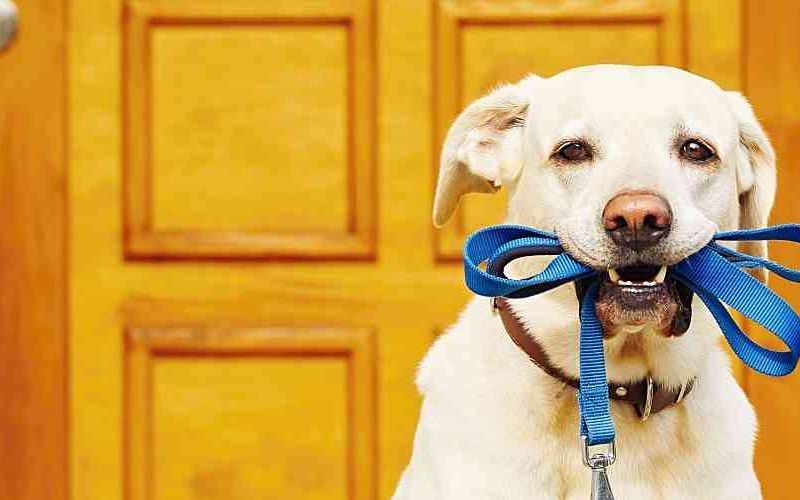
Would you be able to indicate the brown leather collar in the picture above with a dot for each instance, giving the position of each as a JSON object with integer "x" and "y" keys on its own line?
{"x": 646, "y": 396}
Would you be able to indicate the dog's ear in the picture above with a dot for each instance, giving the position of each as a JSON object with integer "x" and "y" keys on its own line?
{"x": 483, "y": 148}
{"x": 756, "y": 176}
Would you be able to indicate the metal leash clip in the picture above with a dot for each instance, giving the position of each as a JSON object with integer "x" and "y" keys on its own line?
{"x": 598, "y": 463}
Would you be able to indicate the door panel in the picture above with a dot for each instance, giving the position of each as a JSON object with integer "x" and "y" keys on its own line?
{"x": 219, "y": 98}
{"x": 254, "y": 274}
{"x": 215, "y": 122}
{"x": 209, "y": 451}
{"x": 208, "y": 409}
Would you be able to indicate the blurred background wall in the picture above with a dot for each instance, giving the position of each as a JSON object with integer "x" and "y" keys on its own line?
{"x": 218, "y": 267}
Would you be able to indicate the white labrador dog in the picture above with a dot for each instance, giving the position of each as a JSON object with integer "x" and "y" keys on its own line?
{"x": 634, "y": 168}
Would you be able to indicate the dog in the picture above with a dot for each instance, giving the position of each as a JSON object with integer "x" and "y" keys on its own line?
{"x": 634, "y": 168}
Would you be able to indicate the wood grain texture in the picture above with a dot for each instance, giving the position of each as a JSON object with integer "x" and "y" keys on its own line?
{"x": 235, "y": 128}
{"x": 201, "y": 132}
{"x": 33, "y": 313}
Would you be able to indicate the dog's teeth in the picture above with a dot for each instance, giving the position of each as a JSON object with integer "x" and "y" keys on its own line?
{"x": 613, "y": 275}
{"x": 662, "y": 273}
{"x": 649, "y": 283}
{"x": 625, "y": 283}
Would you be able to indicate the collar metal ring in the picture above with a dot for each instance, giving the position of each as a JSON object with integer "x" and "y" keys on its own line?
{"x": 648, "y": 402}
{"x": 682, "y": 393}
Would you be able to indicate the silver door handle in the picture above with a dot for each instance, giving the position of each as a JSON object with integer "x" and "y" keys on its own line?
{"x": 8, "y": 22}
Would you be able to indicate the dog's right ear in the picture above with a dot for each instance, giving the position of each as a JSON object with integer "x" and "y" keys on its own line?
{"x": 482, "y": 148}
{"x": 755, "y": 177}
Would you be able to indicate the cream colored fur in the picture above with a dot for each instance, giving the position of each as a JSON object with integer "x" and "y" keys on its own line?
{"x": 492, "y": 425}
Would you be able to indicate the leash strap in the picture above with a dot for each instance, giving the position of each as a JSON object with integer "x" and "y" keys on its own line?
{"x": 715, "y": 274}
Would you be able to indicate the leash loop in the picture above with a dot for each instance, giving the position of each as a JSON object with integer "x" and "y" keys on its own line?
{"x": 714, "y": 273}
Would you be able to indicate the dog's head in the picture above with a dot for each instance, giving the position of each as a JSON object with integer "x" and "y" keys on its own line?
{"x": 633, "y": 167}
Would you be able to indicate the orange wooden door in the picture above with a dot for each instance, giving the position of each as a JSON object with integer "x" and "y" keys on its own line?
{"x": 253, "y": 272}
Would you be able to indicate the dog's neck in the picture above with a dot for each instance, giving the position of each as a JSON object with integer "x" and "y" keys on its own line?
{"x": 632, "y": 353}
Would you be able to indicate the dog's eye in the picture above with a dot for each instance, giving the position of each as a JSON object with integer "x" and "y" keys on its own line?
{"x": 573, "y": 152}
{"x": 695, "y": 150}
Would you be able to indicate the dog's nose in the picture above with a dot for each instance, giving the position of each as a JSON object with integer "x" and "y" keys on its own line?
{"x": 637, "y": 220}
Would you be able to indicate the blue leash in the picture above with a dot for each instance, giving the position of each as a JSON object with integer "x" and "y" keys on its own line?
{"x": 714, "y": 273}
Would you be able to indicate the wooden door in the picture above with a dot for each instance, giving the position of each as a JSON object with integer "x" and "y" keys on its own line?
{"x": 253, "y": 272}
{"x": 253, "y": 276}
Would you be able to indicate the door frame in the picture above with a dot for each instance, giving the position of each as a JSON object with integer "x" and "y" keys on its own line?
{"x": 33, "y": 256}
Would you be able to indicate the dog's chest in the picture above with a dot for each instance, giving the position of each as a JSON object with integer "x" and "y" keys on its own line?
{"x": 541, "y": 454}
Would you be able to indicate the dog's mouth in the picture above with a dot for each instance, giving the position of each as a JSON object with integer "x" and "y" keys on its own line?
{"x": 642, "y": 295}
{"x": 636, "y": 286}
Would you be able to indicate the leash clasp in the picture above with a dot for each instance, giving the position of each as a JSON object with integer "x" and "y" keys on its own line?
{"x": 598, "y": 463}
{"x": 599, "y": 460}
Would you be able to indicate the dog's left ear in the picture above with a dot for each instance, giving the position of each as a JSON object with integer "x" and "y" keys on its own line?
{"x": 756, "y": 176}
{"x": 482, "y": 148}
